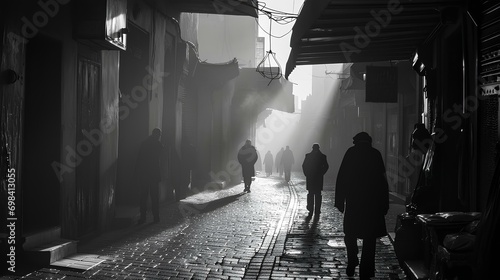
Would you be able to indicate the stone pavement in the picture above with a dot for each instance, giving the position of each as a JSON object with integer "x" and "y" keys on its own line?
{"x": 228, "y": 234}
{"x": 315, "y": 248}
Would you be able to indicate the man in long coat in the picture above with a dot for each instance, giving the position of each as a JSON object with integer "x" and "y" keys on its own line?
{"x": 287, "y": 160}
{"x": 362, "y": 195}
{"x": 247, "y": 157}
{"x": 314, "y": 166}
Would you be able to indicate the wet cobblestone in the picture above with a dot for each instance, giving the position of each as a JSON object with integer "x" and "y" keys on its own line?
{"x": 231, "y": 235}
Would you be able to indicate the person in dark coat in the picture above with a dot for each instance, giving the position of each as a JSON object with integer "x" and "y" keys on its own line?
{"x": 314, "y": 166}
{"x": 247, "y": 156}
{"x": 268, "y": 163}
{"x": 148, "y": 174}
{"x": 287, "y": 160}
{"x": 362, "y": 195}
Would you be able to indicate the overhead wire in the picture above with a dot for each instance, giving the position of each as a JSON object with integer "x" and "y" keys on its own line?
{"x": 282, "y": 18}
{"x": 269, "y": 73}
{"x": 275, "y": 15}
{"x": 274, "y": 36}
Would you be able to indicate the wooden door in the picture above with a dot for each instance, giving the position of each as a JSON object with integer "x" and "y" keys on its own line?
{"x": 88, "y": 119}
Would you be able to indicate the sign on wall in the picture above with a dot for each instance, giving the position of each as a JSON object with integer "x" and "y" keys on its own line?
{"x": 381, "y": 84}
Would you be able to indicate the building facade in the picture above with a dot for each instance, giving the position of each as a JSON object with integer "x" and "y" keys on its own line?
{"x": 83, "y": 83}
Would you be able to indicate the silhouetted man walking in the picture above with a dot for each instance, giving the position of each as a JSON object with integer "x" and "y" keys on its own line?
{"x": 314, "y": 166}
{"x": 268, "y": 163}
{"x": 247, "y": 156}
{"x": 148, "y": 171}
{"x": 287, "y": 160}
{"x": 362, "y": 195}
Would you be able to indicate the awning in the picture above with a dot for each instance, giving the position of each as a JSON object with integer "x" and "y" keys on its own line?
{"x": 216, "y": 73}
{"x": 260, "y": 93}
{"x": 343, "y": 31}
{"x": 227, "y": 7}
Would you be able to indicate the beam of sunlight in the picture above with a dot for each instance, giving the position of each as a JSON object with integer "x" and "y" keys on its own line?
{"x": 300, "y": 130}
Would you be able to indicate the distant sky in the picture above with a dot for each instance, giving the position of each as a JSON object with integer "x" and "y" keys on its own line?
{"x": 302, "y": 75}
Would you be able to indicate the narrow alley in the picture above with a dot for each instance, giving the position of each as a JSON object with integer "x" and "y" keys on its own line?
{"x": 132, "y": 130}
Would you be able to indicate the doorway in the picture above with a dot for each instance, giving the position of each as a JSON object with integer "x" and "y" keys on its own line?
{"x": 42, "y": 134}
{"x": 87, "y": 119}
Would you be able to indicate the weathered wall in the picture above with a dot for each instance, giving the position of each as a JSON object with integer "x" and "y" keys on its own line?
{"x": 68, "y": 132}
{"x": 11, "y": 111}
{"x": 109, "y": 140}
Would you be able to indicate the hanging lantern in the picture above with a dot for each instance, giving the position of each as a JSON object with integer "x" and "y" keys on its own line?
{"x": 269, "y": 67}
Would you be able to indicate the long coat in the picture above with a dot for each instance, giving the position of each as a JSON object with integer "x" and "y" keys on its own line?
{"x": 287, "y": 159}
{"x": 268, "y": 162}
{"x": 247, "y": 157}
{"x": 362, "y": 186}
{"x": 315, "y": 166}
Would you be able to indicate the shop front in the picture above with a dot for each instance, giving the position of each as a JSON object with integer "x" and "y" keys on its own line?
{"x": 453, "y": 47}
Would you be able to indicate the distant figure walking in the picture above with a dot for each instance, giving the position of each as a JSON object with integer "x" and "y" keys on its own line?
{"x": 314, "y": 166}
{"x": 362, "y": 195}
{"x": 278, "y": 162}
{"x": 268, "y": 163}
{"x": 148, "y": 174}
{"x": 247, "y": 156}
{"x": 287, "y": 161}
{"x": 258, "y": 163}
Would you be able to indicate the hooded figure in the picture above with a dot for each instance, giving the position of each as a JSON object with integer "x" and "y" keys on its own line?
{"x": 268, "y": 163}
{"x": 362, "y": 195}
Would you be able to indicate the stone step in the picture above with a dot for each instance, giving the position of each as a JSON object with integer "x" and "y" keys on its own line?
{"x": 47, "y": 246}
{"x": 79, "y": 262}
{"x": 50, "y": 252}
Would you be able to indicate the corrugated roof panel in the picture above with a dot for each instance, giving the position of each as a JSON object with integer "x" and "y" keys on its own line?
{"x": 363, "y": 31}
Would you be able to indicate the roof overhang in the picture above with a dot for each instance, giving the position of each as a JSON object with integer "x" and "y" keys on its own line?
{"x": 226, "y": 7}
{"x": 216, "y": 73}
{"x": 261, "y": 93}
{"x": 344, "y": 31}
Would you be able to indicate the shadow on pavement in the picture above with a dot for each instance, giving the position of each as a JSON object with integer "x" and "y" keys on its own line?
{"x": 171, "y": 216}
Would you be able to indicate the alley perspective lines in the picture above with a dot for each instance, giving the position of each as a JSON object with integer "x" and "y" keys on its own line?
{"x": 232, "y": 235}
{"x": 273, "y": 246}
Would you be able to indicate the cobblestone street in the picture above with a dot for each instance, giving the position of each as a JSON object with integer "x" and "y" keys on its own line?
{"x": 228, "y": 234}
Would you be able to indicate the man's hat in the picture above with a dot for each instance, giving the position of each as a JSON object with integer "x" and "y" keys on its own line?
{"x": 362, "y": 137}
